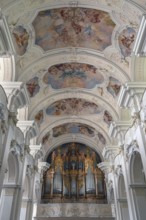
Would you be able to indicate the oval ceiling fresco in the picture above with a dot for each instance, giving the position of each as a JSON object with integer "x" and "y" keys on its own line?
{"x": 73, "y": 27}
{"x": 73, "y": 106}
{"x": 126, "y": 41}
{"x": 73, "y": 75}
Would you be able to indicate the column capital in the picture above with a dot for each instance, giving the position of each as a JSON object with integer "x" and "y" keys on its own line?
{"x": 110, "y": 153}
{"x": 17, "y": 95}
{"x": 43, "y": 166}
{"x": 131, "y": 95}
{"x": 106, "y": 167}
{"x": 29, "y": 128}
{"x": 118, "y": 129}
{"x": 36, "y": 151}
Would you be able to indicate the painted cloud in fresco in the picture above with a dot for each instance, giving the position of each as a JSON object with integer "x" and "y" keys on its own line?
{"x": 73, "y": 27}
{"x": 73, "y": 128}
{"x": 73, "y": 106}
{"x": 39, "y": 117}
{"x": 126, "y": 40}
{"x": 33, "y": 86}
{"x": 113, "y": 86}
{"x": 73, "y": 75}
{"x": 107, "y": 117}
{"x": 21, "y": 37}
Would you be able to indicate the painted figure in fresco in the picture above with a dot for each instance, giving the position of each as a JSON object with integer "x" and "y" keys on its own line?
{"x": 126, "y": 40}
{"x": 101, "y": 138}
{"x": 114, "y": 86}
{"x": 39, "y": 117}
{"x": 45, "y": 138}
{"x": 33, "y": 86}
{"x": 21, "y": 37}
{"x": 107, "y": 117}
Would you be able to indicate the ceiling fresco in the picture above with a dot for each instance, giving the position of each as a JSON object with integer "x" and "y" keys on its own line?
{"x": 20, "y": 37}
{"x": 73, "y": 75}
{"x": 114, "y": 86}
{"x": 73, "y": 106}
{"x": 126, "y": 41}
{"x": 78, "y": 128}
{"x": 73, "y": 27}
{"x": 33, "y": 86}
{"x": 73, "y": 128}
{"x": 39, "y": 117}
{"x": 73, "y": 61}
{"x": 107, "y": 117}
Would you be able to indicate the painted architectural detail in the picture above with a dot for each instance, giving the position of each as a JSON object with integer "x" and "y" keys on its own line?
{"x": 73, "y": 27}
{"x": 74, "y": 75}
{"x": 21, "y": 38}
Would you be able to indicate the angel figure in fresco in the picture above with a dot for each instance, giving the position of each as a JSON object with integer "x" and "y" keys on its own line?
{"x": 32, "y": 86}
{"x": 21, "y": 39}
{"x": 127, "y": 40}
{"x": 107, "y": 117}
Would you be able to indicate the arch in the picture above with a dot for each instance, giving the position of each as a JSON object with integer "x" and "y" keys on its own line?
{"x": 82, "y": 139}
{"x": 138, "y": 184}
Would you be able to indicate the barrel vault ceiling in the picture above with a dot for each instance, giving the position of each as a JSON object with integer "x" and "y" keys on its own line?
{"x": 73, "y": 57}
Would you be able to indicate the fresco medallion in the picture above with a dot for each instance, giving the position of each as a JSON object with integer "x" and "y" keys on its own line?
{"x": 73, "y": 27}
{"x": 73, "y": 75}
{"x": 21, "y": 37}
{"x": 126, "y": 40}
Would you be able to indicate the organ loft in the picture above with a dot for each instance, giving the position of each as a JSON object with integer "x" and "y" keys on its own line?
{"x": 73, "y": 175}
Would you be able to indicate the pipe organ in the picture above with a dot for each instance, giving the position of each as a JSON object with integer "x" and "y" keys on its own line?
{"x": 73, "y": 175}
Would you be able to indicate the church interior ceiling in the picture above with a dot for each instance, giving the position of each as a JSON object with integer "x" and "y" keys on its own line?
{"x": 73, "y": 56}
